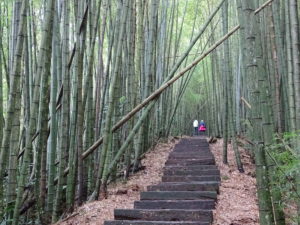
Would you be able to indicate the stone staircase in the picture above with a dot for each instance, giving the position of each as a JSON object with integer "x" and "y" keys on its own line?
{"x": 186, "y": 195}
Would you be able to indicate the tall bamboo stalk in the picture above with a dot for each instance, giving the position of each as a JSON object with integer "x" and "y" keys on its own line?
{"x": 64, "y": 129}
{"x": 14, "y": 86}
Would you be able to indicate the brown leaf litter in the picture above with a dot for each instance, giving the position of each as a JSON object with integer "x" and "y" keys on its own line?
{"x": 123, "y": 194}
{"x": 237, "y": 201}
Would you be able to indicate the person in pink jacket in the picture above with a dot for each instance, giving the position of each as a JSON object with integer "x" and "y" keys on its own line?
{"x": 202, "y": 126}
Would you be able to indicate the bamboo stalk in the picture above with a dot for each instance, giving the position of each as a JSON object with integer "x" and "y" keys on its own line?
{"x": 163, "y": 87}
{"x": 246, "y": 102}
{"x": 156, "y": 93}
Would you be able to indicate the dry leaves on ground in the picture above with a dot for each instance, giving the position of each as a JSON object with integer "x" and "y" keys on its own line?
{"x": 123, "y": 194}
{"x": 237, "y": 201}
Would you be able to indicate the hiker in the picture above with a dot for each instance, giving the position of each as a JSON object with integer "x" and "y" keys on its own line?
{"x": 202, "y": 126}
{"x": 195, "y": 125}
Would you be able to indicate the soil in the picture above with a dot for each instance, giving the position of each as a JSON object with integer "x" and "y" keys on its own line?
{"x": 237, "y": 202}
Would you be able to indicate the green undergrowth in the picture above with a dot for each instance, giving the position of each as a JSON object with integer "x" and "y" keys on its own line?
{"x": 284, "y": 154}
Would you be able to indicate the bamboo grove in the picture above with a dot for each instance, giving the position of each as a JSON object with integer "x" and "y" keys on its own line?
{"x": 87, "y": 87}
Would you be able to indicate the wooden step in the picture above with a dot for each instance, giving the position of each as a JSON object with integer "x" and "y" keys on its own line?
{"x": 195, "y": 146}
{"x": 209, "y": 161}
{"x": 163, "y": 214}
{"x": 191, "y": 146}
{"x": 174, "y": 204}
{"x": 191, "y": 143}
{"x": 139, "y": 222}
{"x": 191, "y": 149}
{"x": 198, "y": 142}
{"x": 191, "y": 153}
{"x": 178, "y": 195}
{"x": 190, "y": 156}
{"x": 189, "y": 178}
{"x": 189, "y": 186}
{"x": 178, "y": 172}
{"x": 187, "y": 194}
{"x": 190, "y": 167}
{"x": 190, "y": 140}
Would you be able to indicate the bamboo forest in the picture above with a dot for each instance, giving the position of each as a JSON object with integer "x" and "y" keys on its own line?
{"x": 88, "y": 87}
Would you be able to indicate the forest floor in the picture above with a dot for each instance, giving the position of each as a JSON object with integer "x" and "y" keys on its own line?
{"x": 237, "y": 202}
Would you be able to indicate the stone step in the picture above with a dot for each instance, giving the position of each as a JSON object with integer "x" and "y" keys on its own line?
{"x": 188, "y": 178}
{"x": 189, "y": 186}
{"x": 178, "y": 172}
{"x": 178, "y": 195}
{"x": 164, "y": 214}
{"x": 190, "y": 167}
{"x": 208, "y": 161}
{"x": 175, "y": 204}
{"x": 139, "y": 222}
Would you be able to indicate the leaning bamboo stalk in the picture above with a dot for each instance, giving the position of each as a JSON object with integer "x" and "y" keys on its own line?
{"x": 263, "y": 6}
{"x": 111, "y": 97}
{"x": 124, "y": 146}
{"x": 168, "y": 83}
{"x": 156, "y": 94}
{"x": 246, "y": 102}
{"x": 163, "y": 87}
{"x": 171, "y": 74}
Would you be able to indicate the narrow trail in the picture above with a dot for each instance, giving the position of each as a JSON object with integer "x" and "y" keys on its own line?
{"x": 236, "y": 202}
{"x": 186, "y": 195}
